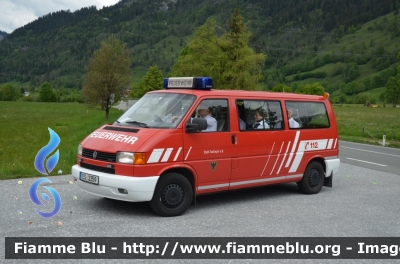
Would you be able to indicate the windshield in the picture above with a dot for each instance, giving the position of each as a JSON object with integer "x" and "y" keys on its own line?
{"x": 157, "y": 110}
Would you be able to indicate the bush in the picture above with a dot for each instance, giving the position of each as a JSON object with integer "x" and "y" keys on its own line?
{"x": 9, "y": 93}
{"x": 46, "y": 93}
{"x": 359, "y": 99}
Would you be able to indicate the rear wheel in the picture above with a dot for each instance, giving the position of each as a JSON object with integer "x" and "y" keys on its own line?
{"x": 313, "y": 178}
{"x": 172, "y": 196}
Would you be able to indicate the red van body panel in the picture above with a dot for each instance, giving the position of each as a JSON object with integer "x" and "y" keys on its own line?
{"x": 211, "y": 161}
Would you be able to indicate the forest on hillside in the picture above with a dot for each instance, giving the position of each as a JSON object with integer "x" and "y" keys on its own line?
{"x": 295, "y": 35}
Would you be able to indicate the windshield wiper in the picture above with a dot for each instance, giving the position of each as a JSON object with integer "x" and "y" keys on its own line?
{"x": 137, "y": 123}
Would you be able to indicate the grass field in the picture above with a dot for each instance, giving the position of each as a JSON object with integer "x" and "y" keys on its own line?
{"x": 352, "y": 119}
{"x": 24, "y": 131}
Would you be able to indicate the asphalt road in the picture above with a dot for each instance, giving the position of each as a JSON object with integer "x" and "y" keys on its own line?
{"x": 373, "y": 157}
{"x": 362, "y": 203}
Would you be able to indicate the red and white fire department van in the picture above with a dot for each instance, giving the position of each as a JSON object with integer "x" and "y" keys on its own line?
{"x": 190, "y": 139}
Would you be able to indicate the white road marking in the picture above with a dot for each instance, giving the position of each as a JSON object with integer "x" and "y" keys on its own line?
{"x": 368, "y": 162}
{"x": 373, "y": 151}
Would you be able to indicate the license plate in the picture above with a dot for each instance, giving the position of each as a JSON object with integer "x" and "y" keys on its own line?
{"x": 89, "y": 178}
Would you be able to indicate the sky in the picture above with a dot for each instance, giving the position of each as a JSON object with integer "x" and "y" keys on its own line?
{"x": 17, "y": 13}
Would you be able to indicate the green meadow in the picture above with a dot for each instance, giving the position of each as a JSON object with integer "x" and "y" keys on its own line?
{"x": 376, "y": 122}
{"x": 24, "y": 131}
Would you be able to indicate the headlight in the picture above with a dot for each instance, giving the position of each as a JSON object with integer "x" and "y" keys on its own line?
{"x": 79, "y": 149}
{"x": 131, "y": 158}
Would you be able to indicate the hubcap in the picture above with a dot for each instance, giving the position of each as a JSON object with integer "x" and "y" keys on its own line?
{"x": 172, "y": 195}
{"x": 313, "y": 178}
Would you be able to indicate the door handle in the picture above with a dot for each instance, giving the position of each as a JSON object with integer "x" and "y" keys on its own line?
{"x": 233, "y": 138}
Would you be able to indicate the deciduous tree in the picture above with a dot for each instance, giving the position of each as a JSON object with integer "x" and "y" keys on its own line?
{"x": 281, "y": 87}
{"x": 107, "y": 74}
{"x": 8, "y": 93}
{"x": 153, "y": 80}
{"x": 315, "y": 88}
{"x": 392, "y": 90}
{"x": 46, "y": 93}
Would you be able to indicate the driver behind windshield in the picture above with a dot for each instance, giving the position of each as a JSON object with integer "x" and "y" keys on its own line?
{"x": 173, "y": 113}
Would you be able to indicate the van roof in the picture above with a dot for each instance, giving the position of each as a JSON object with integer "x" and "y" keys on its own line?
{"x": 243, "y": 93}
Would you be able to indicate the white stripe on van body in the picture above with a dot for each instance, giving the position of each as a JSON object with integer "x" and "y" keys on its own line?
{"x": 177, "y": 153}
{"x": 293, "y": 149}
{"x": 221, "y": 185}
{"x": 155, "y": 155}
{"x": 166, "y": 155}
{"x": 284, "y": 157}
{"x": 267, "y": 159}
{"x": 277, "y": 158}
{"x": 307, "y": 145}
{"x": 330, "y": 143}
{"x": 187, "y": 155}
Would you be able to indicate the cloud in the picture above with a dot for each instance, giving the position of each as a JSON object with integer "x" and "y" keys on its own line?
{"x": 17, "y": 13}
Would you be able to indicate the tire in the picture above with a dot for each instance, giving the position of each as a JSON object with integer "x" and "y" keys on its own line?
{"x": 313, "y": 178}
{"x": 172, "y": 196}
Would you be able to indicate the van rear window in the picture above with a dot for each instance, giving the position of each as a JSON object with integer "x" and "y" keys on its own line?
{"x": 308, "y": 114}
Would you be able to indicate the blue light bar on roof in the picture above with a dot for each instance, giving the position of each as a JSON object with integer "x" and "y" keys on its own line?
{"x": 201, "y": 83}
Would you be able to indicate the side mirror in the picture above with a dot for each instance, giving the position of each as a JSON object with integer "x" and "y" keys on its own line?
{"x": 196, "y": 124}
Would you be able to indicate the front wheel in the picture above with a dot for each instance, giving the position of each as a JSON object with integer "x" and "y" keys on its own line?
{"x": 313, "y": 178}
{"x": 172, "y": 196}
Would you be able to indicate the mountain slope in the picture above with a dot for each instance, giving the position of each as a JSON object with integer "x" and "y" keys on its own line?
{"x": 57, "y": 47}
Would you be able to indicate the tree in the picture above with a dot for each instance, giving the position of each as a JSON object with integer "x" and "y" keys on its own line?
{"x": 315, "y": 88}
{"x": 153, "y": 80}
{"x": 107, "y": 74}
{"x": 8, "y": 93}
{"x": 280, "y": 87}
{"x": 227, "y": 59}
{"x": 392, "y": 90}
{"x": 46, "y": 93}
{"x": 241, "y": 68}
{"x": 200, "y": 56}
{"x": 342, "y": 98}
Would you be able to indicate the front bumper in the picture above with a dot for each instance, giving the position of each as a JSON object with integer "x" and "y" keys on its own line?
{"x": 140, "y": 189}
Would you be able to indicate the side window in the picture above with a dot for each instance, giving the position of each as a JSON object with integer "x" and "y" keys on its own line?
{"x": 215, "y": 111}
{"x": 307, "y": 115}
{"x": 259, "y": 114}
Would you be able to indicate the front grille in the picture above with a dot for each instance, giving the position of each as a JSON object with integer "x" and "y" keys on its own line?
{"x": 88, "y": 153}
{"x": 97, "y": 168}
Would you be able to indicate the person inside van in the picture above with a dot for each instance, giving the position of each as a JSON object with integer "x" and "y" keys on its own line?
{"x": 292, "y": 122}
{"x": 259, "y": 117}
{"x": 204, "y": 111}
{"x": 174, "y": 112}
